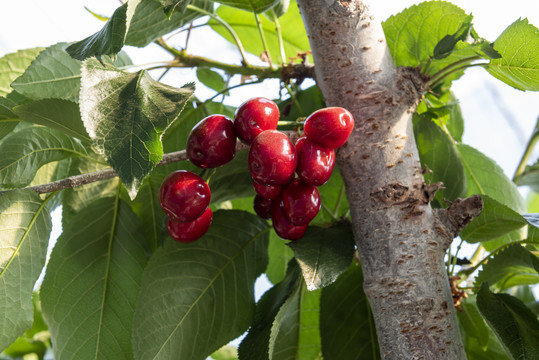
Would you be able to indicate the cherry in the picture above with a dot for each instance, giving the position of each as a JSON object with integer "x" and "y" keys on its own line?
{"x": 190, "y": 231}
{"x": 300, "y": 202}
{"x": 212, "y": 142}
{"x": 184, "y": 196}
{"x": 267, "y": 191}
{"x": 330, "y": 126}
{"x": 282, "y": 226}
{"x": 254, "y": 116}
{"x": 272, "y": 158}
{"x": 315, "y": 162}
{"x": 262, "y": 206}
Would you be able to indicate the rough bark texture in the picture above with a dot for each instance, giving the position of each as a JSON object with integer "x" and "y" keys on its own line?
{"x": 401, "y": 240}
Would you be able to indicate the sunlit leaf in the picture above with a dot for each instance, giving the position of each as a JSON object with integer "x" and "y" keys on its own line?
{"x": 13, "y": 65}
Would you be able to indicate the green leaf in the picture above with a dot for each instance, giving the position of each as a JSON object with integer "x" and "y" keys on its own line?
{"x": 280, "y": 9}
{"x": 8, "y": 119}
{"x": 126, "y": 115}
{"x": 323, "y": 254}
{"x": 232, "y": 180}
{"x": 256, "y": 6}
{"x": 255, "y": 345}
{"x": 413, "y": 34}
{"x": 63, "y": 115}
{"x": 304, "y": 104}
{"x": 294, "y": 36}
{"x": 530, "y": 177}
{"x": 187, "y": 287}
{"x": 346, "y": 326}
{"x": 80, "y": 197}
{"x": 519, "y": 64}
{"x": 295, "y": 330}
{"x": 170, "y": 6}
{"x": 211, "y": 79}
{"x": 513, "y": 266}
{"x": 147, "y": 21}
{"x": 485, "y": 177}
{"x": 25, "y": 225}
{"x": 25, "y": 151}
{"x": 107, "y": 41}
{"x": 494, "y": 221}
{"x": 13, "y": 65}
{"x": 227, "y": 352}
{"x": 53, "y": 74}
{"x": 439, "y": 153}
{"x": 447, "y": 44}
{"x": 333, "y": 198}
{"x": 473, "y": 324}
{"x": 445, "y": 111}
{"x": 279, "y": 256}
{"x": 92, "y": 282}
{"x": 514, "y": 324}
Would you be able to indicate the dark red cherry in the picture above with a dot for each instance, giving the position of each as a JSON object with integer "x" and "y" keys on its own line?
{"x": 282, "y": 226}
{"x": 268, "y": 191}
{"x": 262, "y": 206}
{"x": 315, "y": 162}
{"x": 272, "y": 158}
{"x": 190, "y": 231}
{"x": 300, "y": 202}
{"x": 254, "y": 116}
{"x": 330, "y": 126}
{"x": 212, "y": 142}
{"x": 184, "y": 195}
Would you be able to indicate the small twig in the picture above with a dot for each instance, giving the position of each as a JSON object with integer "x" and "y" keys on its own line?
{"x": 263, "y": 39}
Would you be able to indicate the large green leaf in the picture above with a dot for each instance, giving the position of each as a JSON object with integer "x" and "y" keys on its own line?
{"x": 346, "y": 326}
{"x": 494, "y": 221}
{"x": 196, "y": 297}
{"x": 334, "y": 201}
{"x": 438, "y": 152}
{"x": 25, "y": 225}
{"x": 514, "y": 324}
{"x": 512, "y": 267}
{"x": 295, "y": 331}
{"x": 472, "y": 323}
{"x": 445, "y": 111}
{"x": 279, "y": 256}
{"x": 63, "y": 115}
{"x": 126, "y": 115}
{"x": 530, "y": 177}
{"x": 107, "y": 41}
{"x": 25, "y": 151}
{"x": 233, "y": 180}
{"x": 92, "y": 282}
{"x": 53, "y": 74}
{"x": 8, "y": 119}
{"x": 323, "y": 254}
{"x": 255, "y": 345}
{"x": 293, "y": 32}
{"x": 486, "y": 177}
{"x": 13, "y": 65}
{"x": 147, "y": 21}
{"x": 519, "y": 65}
{"x": 413, "y": 33}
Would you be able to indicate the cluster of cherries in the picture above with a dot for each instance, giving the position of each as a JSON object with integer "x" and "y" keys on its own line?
{"x": 290, "y": 202}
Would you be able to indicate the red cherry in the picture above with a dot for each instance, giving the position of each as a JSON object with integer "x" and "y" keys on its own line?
{"x": 212, "y": 142}
{"x": 267, "y": 191}
{"x": 272, "y": 158}
{"x": 254, "y": 116}
{"x": 190, "y": 231}
{"x": 262, "y": 206}
{"x": 184, "y": 195}
{"x": 300, "y": 202}
{"x": 315, "y": 162}
{"x": 330, "y": 126}
{"x": 282, "y": 226}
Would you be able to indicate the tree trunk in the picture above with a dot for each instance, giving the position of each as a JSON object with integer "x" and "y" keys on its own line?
{"x": 401, "y": 239}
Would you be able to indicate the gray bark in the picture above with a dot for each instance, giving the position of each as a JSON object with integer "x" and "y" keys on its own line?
{"x": 401, "y": 239}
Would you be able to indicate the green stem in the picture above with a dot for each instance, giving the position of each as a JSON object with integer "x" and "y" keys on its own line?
{"x": 455, "y": 64}
{"x": 329, "y": 212}
{"x": 263, "y": 38}
{"x": 455, "y": 257}
{"x": 279, "y": 36}
{"x": 339, "y": 202}
{"x": 286, "y": 123}
{"x": 433, "y": 82}
{"x": 226, "y": 26}
{"x": 293, "y": 98}
{"x": 527, "y": 152}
